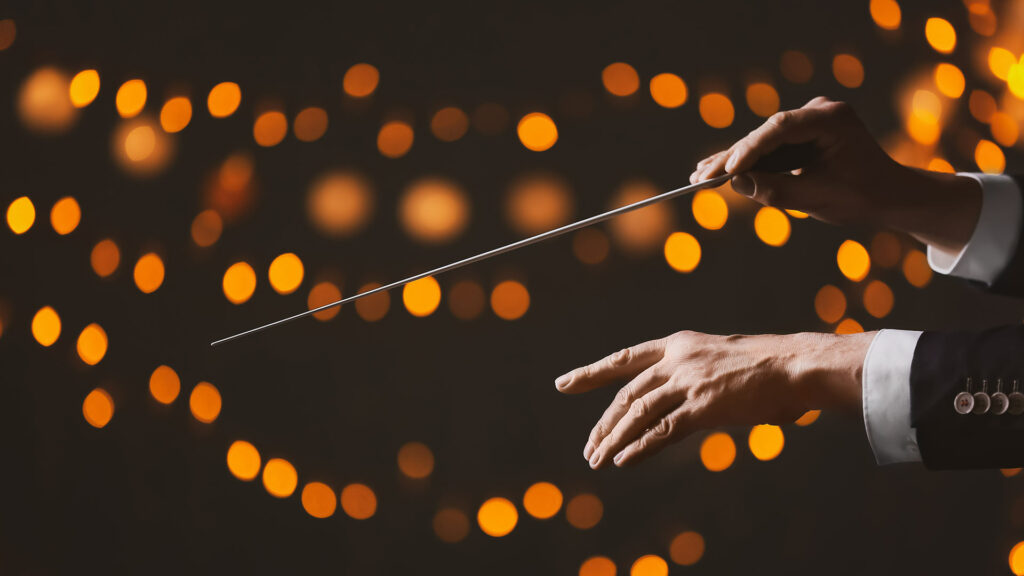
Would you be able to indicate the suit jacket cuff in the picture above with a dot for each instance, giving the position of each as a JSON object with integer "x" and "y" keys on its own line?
{"x": 886, "y": 396}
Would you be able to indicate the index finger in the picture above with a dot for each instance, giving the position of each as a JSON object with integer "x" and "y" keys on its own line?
{"x": 625, "y": 363}
{"x": 790, "y": 127}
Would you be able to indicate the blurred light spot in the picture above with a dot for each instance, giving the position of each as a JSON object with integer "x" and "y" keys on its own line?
{"x": 235, "y": 177}
{"x": 849, "y": 326}
{"x": 590, "y": 246}
{"x": 224, "y": 99}
{"x": 716, "y": 110}
{"x": 360, "y": 80}
{"x": 762, "y": 99}
{"x": 140, "y": 143}
{"x": 538, "y": 202}
{"x": 85, "y": 86}
{"x": 373, "y": 308}
{"x": 830, "y": 304}
{"x": 584, "y": 511}
{"x": 641, "y": 231}
{"x": 1015, "y": 80}
{"x": 796, "y": 67}
{"x": 940, "y": 165}
{"x": 466, "y": 300}
{"x": 21, "y": 215}
{"x": 286, "y": 273}
{"x": 44, "y": 102}
{"x": 8, "y": 31}
{"x": 853, "y": 260}
{"x": 1010, "y": 472}
{"x": 319, "y": 500}
{"x": 497, "y": 517}
{"x": 421, "y": 297}
{"x": 682, "y": 252}
{"x": 927, "y": 104}
{"x": 205, "y": 402}
{"x": 433, "y": 210}
{"x": 597, "y": 566}
{"x": 982, "y": 105}
{"x": 797, "y": 214}
{"x": 280, "y": 478}
{"x": 886, "y": 14}
{"x": 982, "y": 18}
{"x": 686, "y": 548}
{"x": 940, "y": 35}
{"x": 394, "y": 139}
{"x": 949, "y": 80}
{"x": 510, "y": 300}
{"x": 668, "y": 90}
{"x": 1017, "y": 558}
{"x": 916, "y": 269}
{"x": 176, "y": 114}
{"x": 649, "y": 565}
{"x": 105, "y": 257}
{"x": 243, "y": 460}
{"x": 537, "y": 131}
{"x": 620, "y": 79}
{"x": 886, "y": 249}
{"x": 989, "y": 157}
{"x": 92, "y": 344}
{"x": 1004, "y": 129}
{"x": 239, "y": 282}
{"x": 717, "y": 451}
{"x": 65, "y": 215}
{"x": 451, "y": 525}
{"x": 1000, "y": 60}
{"x": 766, "y": 441}
{"x": 710, "y": 209}
{"x": 46, "y": 326}
{"x": 165, "y": 385}
{"x": 449, "y": 124}
{"x": 310, "y": 124}
{"x": 878, "y": 299}
{"x": 848, "y": 70}
{"x": 415, "y": 460}
{"x": 542, "y": 500}
{"x": 322, "y": 294}
{"x": 270, "y": 128}
{"x": 131, "y": 98}
{"x": 140, "y": 148}
{"x": 809, "y": 417}
{"x": 340, "y": 203}
{"x": 923, "y": 128}
{"x": 149, "y": 273}
{"x": 358, "y": 501}
{"x": 772, "y": 226}
{"x": 98, "y": 408}
{"x": 206, "y": 228}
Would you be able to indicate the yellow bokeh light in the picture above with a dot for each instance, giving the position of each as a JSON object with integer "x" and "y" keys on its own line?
{"x": 886, "y": 14}
{"x": 982, "y": 18}
{"x": 982, "y": 105}
{"x": 538, "y": 202}
{"x": 433, "y": 210}
{"x": 224, "y": 99}
{"x": 923, "y": 128}
{"x": 98, "y": 408}
{"x": 415, "y": 460}
{"x": 243, "y": 460}
{"x": 1000, "y": 60}
{"x": 319, "y": 500}
{"x": 140, "y": 143}
{"x": 808, "y": 418}
{"x": 92, "y": 344}
{"x": 394, "y": 139}
{"x": 716, "y": 110}
{"x": 848, "y": 70}
{"x": 358, "y": 501}
{"x": 597, "y": 566}
{"x": 772, "y": 226}
{"x": 590, "y": 246}
{"x": 584, "y": 511}
{"x": 1015, "y": 80}
{"x": 510, "y": 300}
{"x": 206, "y": 228}
{"x": 8, "y": 31}
{"x": 149, "y": 273}
{"x": 239, "y": 282}
{"x": 796, "y": 67}
{"x": 926, "y": 104}
{"x": 44, "y": 102}
{"x": 360, "y": 80}
{"x": 641, "y": 231}
{"x": 131, "y": 98}
{"x": 105, "y": 257}
{"x": 537, "y": 131}
{"x": 449, "y": 124}
{"x": 21, "y": 215}
{"x": 989, "y": 157}
{"x": 286, "y": 273}
{"x": 669, "y": 90}
{"x": 940, "y": 35}
{"x": 321, "y": 294}
{"x": 466, "y": 300}
{"x": 682, "y": 252}
{"x": 763, "y": 99}
{"x": 164, "y": 384}
{"x": 1010, "y": 472}
{"x": 280, "y": 478}
{"x": 140, "y": 148}
{"x": 310, "y": 124}
{"x": 205, "y": 402}
{"x": 175, "y": 114}
{"x": 649, "y": 565}
{"x": 270, "y": 128}
{"x": 65, "y": 215}
{"x": 1017, "y": 558}
{"x": 1005, "y": 130}
{"x": 766, "y": 441}
{"x": 916, "y": 269}
{"x": 853, "y": 260}
{"x": 710, "y": 209}
{"x": 542, "y": 500}
{"x": 620, "y": 79}
{"x": 84, "y": 88}
{"x": 830, "y": 304}
{"x": 451, "y": 525}
{"x": 849, "y": 326}
{"x": 878, "y": 299}
{"x": 340, "y": 203}
{"x": 421, "y": 297}
{"x": 373, "y": 308}
{"x": 940, "y": 165}
{"x": 46, "y": 326}
{"x": 497, "y": 516}
{"x": 687, "y": 548}
{"x": 950, "y": 80}
{"x": 717, "y": 451}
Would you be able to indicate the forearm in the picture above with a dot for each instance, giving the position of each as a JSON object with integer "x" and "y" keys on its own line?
{"x": 826, "y": 369}
{"x": 938, "y": 209}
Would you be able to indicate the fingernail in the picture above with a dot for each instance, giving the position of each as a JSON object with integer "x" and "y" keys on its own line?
{"x": 562, "y": 380}
{"x": 743, "y": 184}
{"x": 594, "y": 458}
{"x": 588, "y": 450}
{"x": 617, "y": 459}
{"x": 730, "y": 163}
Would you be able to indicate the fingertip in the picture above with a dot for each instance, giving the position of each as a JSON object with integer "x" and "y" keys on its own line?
{"x": 562, "y": 382}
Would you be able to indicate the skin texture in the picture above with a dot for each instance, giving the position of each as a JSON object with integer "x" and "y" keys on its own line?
{"x": 691, "y": 381}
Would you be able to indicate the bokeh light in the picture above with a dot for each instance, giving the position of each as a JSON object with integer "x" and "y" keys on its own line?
{"x": 669, "y": 90}
{"x": 451, "y": 525}
{"x": 1000, "y": 61}
{"x": 318, "y": 500}
{"x": 772, "y": 226}
{"x": 131, "y": 98}
{"x": 322, "y": 294}
{"x": 360, "y": 80}
{"x": 940, "y": 35}
{"x": 849, "y": 326}
{"x": 538, "y": 202}
{"x": 280, "y": 478}
{"x": 286, "y": 273}
{"x": 766, "y": 441}
{"x": 590, "y": 246}
{"x": 21, "y": 215}
{"x": 796, "y": 67}
{"x": 886, "y": 14}
{"x": 44, "y": 102}
{"x": 830, "y": 304}
{"x": 105, "y": 257}
{"x": 8, "y": 31}
{"x": 466, "y": 299}
{"x": 1017, "y": 558}
{"x": 270, "y": 128}
{"x": 916, "y": 269}
{"x": 716, "y": 110}
{"x": 848, "y": 70}
{"x": 140, "y": 148}
{"x": 243, "y": 460}
{"x": 164, "y": 384}
{"x": 92, "y": 344}
{"x": 682, "y": 252}
{"x": 149, "y": 273}
{"x": 224, "y": 99}
{"x": 1005, "y": 130}
{"x": 375, "y": 307}
{"x": 206, "y": 228}
{"x": 433, "y": 210}
{"x": 620, "y": 79}
{"x": 640, "y": 231}
{"x": 510, "y": 300}
{"x": 395, "y": 139}
{"x": 597, "y": 566}
{"x": 717, "y": 451}
{"x": 808, "y": 418}
{"x": 239, "y": 282}
{"x": 421, "y": 297}
{"x": 310, "y": 124}
{"x": 46, "y": 326}
{"x": 205, "y": 402}
{"x": 989, "y": 157}
{"x": 497, "y": 516}
{"x": 949, "y": 80}
{"x": 878, "y": 299}
{"x": 763, "y": 99}
{"x": 709, "y": 209}
{"x": 853, "y": 260}
{"x": 358, "y": 501}
{"x": 542, "y": 500}
{"x": 537, "y": 131}
{"x": 649, "y": 565}
{"x": 415, "y": 460}
{"x": 175, "y": 114}
{"x": 65, "y": 215}
{"x": 340, "y": 203}
{"x": 584, "y": 511}
{"x": 98, "y": 408}
{"x": 687, "y": 548}
{"x": 982, "y": 105}
{"x": 84, "y": 88}
{"x": 449, "y": 124}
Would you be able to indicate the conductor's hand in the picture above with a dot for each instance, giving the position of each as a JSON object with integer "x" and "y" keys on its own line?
{"x": 691, "y": 381}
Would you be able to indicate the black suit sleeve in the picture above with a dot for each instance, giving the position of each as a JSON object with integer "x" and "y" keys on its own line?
{"x": 1011, "y": 281}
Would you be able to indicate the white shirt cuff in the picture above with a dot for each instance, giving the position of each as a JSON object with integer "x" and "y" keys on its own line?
{"x": 886, "y": 396}
{"x": 995, "y": 236}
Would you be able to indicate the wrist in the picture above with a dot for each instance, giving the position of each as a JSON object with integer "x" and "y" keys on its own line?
{"x": 826, "y": 369}
{"x": 936, "y": 208}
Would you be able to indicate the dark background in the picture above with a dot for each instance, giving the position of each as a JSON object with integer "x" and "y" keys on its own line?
{"x": 150, "y": 492}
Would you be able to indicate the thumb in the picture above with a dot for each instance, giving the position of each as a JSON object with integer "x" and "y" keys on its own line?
{"x": 780, "y": 190}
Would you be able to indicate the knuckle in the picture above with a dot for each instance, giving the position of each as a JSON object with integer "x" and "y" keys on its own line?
{"x": 639, "y": 408}
{"x": 621, "y": 358}
{"x": 597, "y": 433}
{"x": 663, "y": 429}
{"x": 624, "y": 397}
{"x": 781, "y": 120}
